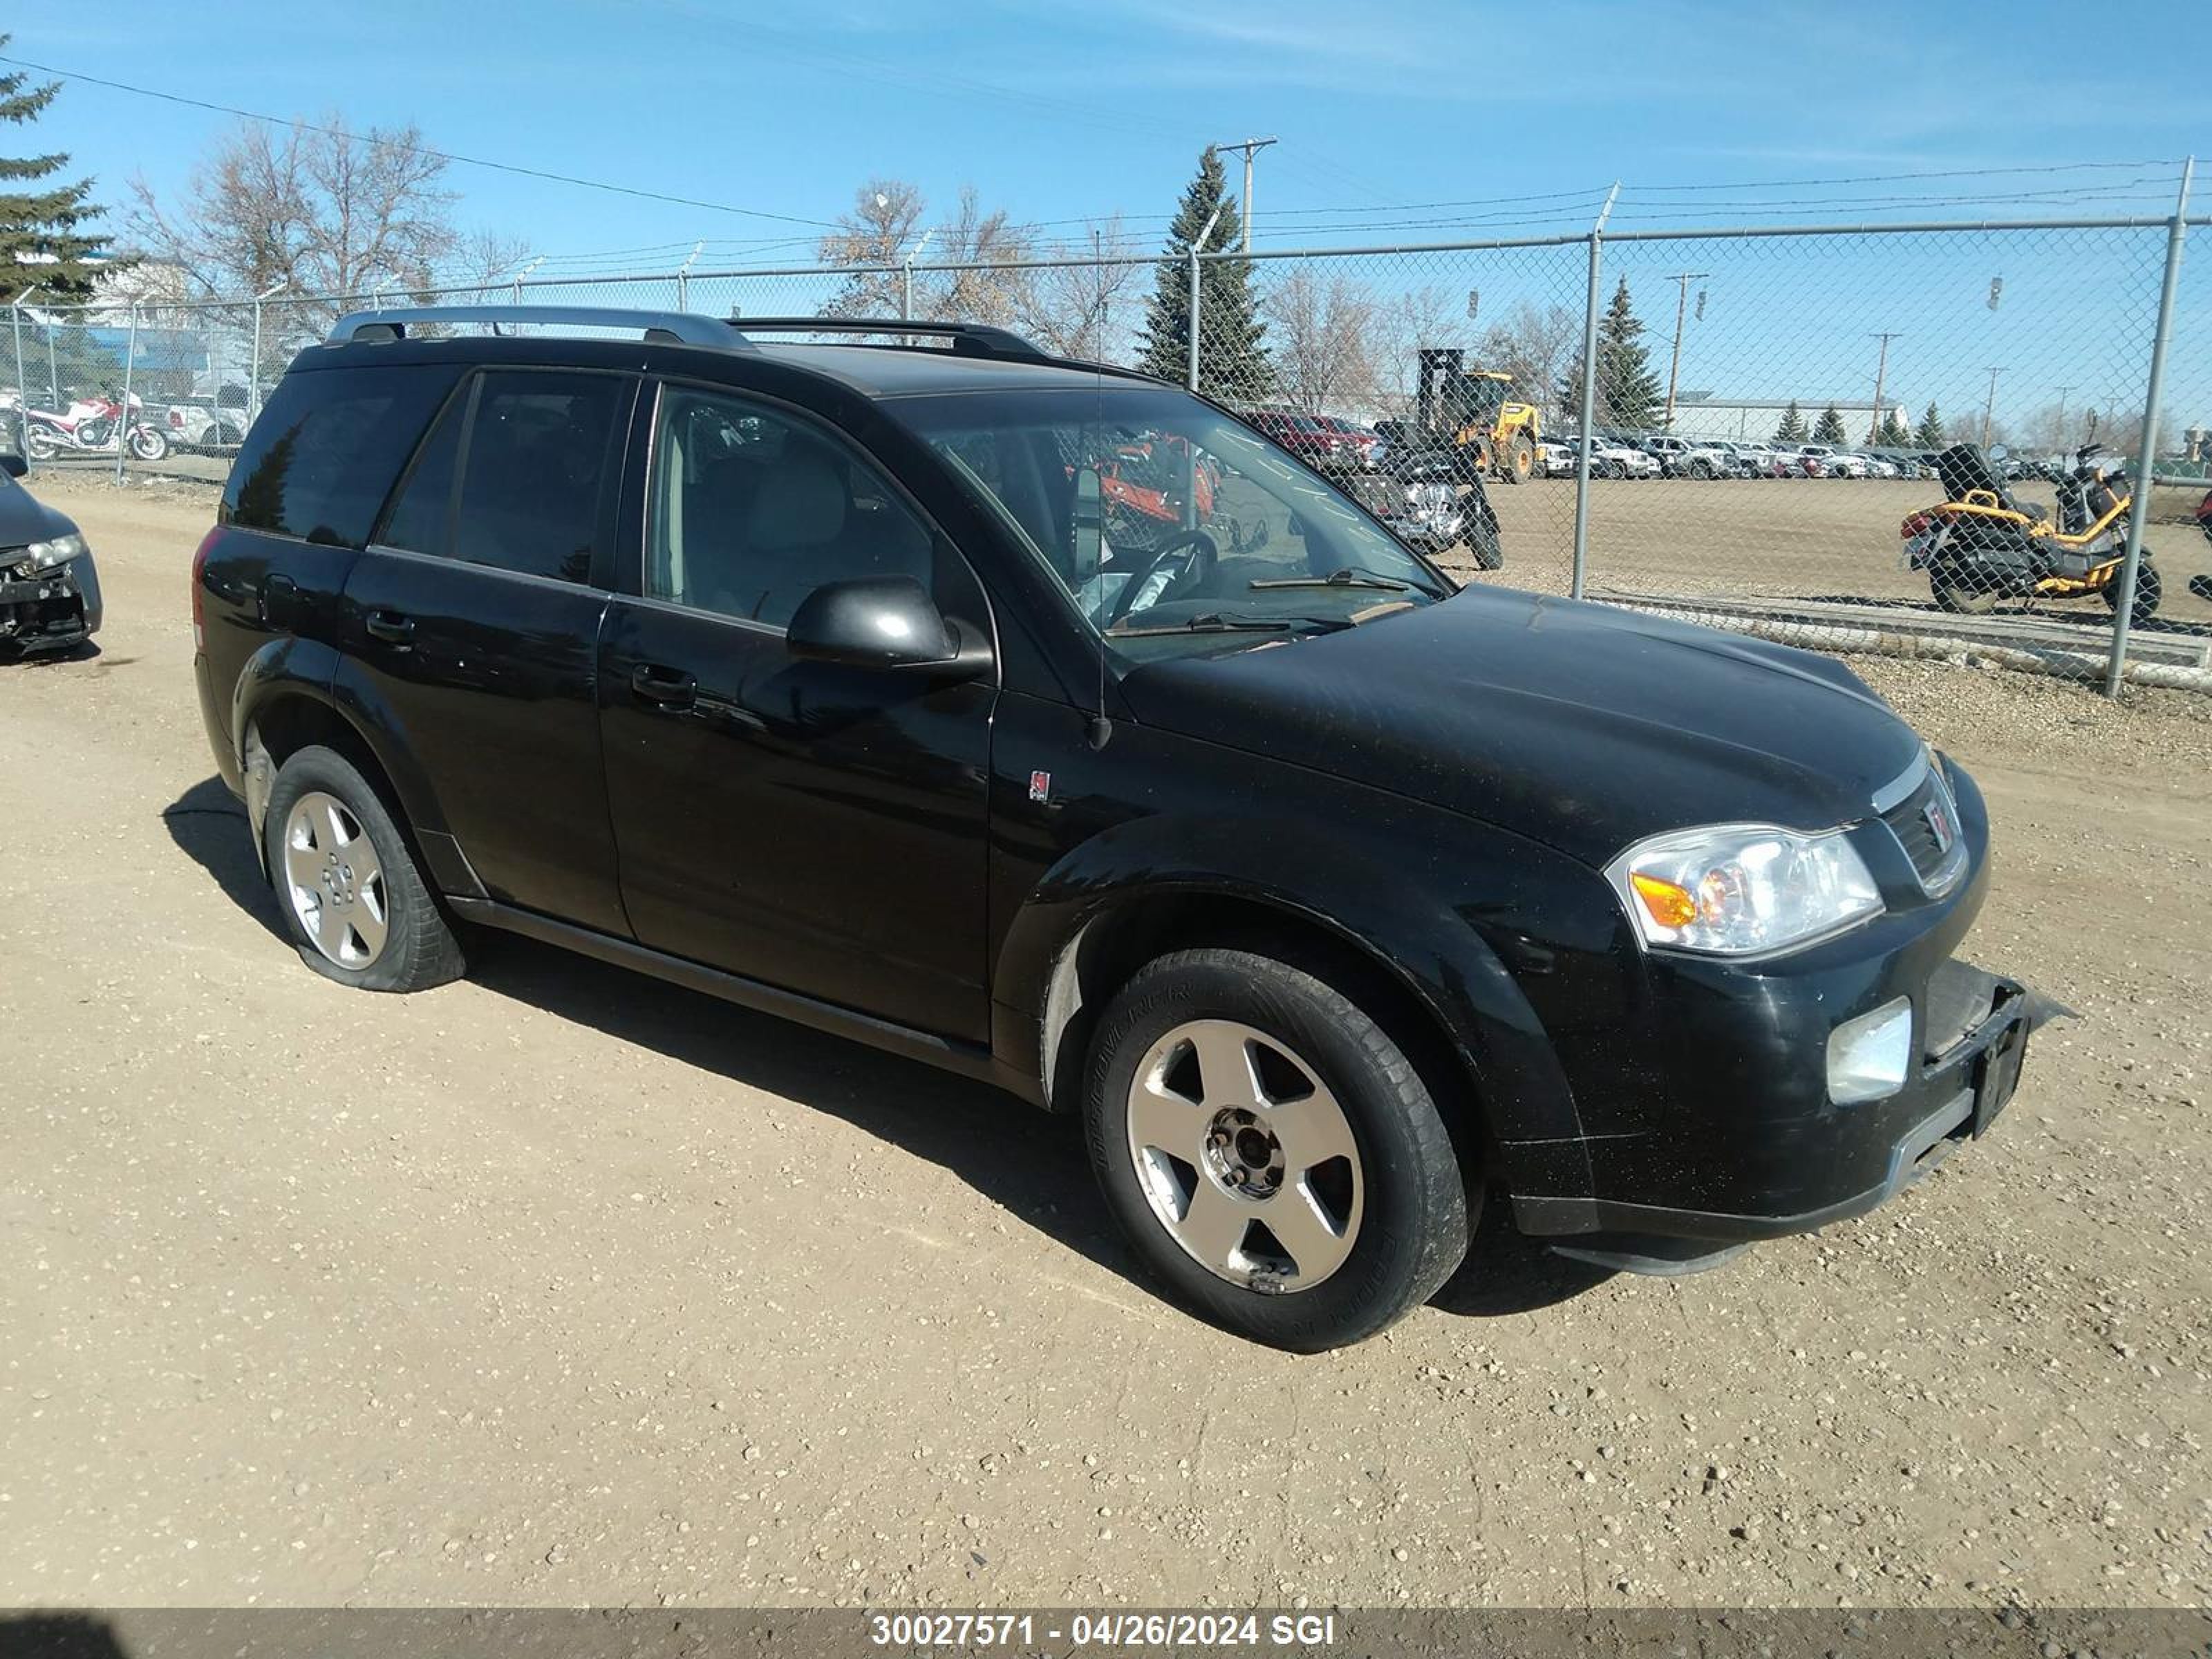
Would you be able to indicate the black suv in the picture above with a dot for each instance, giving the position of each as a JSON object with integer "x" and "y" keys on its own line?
{"x": 806, "y": 669}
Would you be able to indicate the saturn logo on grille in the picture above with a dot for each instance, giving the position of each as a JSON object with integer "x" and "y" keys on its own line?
{"x": 1938, "y": 819}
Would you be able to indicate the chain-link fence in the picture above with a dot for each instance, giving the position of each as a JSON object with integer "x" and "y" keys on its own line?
{"x": 1759, "y": 428}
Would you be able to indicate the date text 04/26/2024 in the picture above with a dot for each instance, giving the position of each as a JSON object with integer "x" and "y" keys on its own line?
{"x": 1102, "y": 1629}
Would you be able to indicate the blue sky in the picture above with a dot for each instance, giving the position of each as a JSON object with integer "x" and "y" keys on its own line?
{"x": 1060, "y": 114}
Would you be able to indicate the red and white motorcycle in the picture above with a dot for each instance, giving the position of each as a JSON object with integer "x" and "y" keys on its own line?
{"x": 87, "y": 427}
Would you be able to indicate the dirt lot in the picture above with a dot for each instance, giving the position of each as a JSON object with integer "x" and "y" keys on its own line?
{"x": 560, "y": 1287}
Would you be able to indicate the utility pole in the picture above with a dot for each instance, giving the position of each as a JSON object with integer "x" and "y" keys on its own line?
{"x": 2061, "y": 391}
{"x": 1248, "y": 146}
{"x": 1990, "y": 408}
{"x": 1880, "y": 376}
{"x": 1682, "y": 279}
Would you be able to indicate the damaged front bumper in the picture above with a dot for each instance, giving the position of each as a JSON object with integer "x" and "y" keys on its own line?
{"x": 52, "y": 610}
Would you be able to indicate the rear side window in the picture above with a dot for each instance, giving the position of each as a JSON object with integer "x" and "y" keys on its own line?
{"x": 535, "y": 455}
{"x": 321, "y": 458}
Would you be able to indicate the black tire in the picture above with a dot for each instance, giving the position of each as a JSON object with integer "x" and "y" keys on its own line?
{"x": 1957, "y": 592}
{"x": 1518, "y": 463}
{"x": 418, "y": 949}
{"x": 1418, "y": 1207}
{"x": 1701, "y": 469}
{"x": 2149, "y": 591}
{"x": 149, "y": 444}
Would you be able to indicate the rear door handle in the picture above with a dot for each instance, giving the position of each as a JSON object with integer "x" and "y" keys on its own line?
{"x": 390, "y": 626}
{"x": 665, "y": 687}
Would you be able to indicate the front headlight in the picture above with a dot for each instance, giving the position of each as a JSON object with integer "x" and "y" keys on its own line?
{"x": 51, "y": 555}
{"x": 1743, "y": 889}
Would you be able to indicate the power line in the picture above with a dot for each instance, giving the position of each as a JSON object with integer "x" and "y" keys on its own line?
{"x": 1900, "y": 178}
{"x": 413, "y": 150}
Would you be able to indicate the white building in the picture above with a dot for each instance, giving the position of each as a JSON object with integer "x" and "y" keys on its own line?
{"x": 1754, "y": 419}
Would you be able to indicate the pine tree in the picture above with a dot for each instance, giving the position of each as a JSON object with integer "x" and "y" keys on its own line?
{"x": 1892, "y": 434}
{"x": 1792, "y": 428}
{"x": 1930, "y": 434}
{"x": 41, "y": 245}
{"x": 1628, "y": 392}
{"x": 1232, "y": 354}
{"x": 1829, "y": 429}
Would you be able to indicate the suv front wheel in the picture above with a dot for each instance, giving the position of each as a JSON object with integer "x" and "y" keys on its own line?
{"x": 1270, "y": 1152}
{"x": 353, "y": 902}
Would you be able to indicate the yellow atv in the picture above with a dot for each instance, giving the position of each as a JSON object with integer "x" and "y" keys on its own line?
{"x": 1981, "y": 545}
{"x": 1467, "y": 411}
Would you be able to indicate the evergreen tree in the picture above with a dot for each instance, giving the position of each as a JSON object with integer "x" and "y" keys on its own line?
{"x": 1892, "y": 434}
{"x": 1232, "y": 354}
{"x": 1628, "y": 390}
{"x": 41, "y": 244}
{"x": 1930, "y": 434}
{"x": 1792, "y": 428}
{"x": 1829, "y": 429}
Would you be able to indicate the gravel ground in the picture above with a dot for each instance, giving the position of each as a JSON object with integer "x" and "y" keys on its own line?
{"x": 560, "y": 1287}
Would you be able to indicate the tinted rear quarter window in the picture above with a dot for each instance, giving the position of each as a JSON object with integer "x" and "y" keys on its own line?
{"x": 321, "y": 458}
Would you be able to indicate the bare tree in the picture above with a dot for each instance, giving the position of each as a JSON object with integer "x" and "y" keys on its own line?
{"x": 879, "y": 230}
{"x": 1536, "y": 345}
{"x": 488, "y": 261}
{"x": 1324, "y": 336}
{"x": 1412, "y": 322}
{"x": 323, "y": 208}
{"x": 976, "y": 238}
{"x": 1089, "y": 309}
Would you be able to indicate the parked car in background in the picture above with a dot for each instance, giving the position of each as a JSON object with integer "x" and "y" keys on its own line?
{"x": 1554, "y": 459}
{"x": 1878, "y": 467}
{"x": 1316, "y": 440}
{"x": 1616, "y": 458}
{"x": 1366, "y": 444}
{"x": 202, "y": 424}
{"x": 1688, "y": 457}
{"x": 48, "y": 587}
{"x": 1760, "y": 461}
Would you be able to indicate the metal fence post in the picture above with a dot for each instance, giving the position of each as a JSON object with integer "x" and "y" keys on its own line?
{"x": 1590, "y": 401}
{"x": 122, "y": 416}
{"x": 22, "y": 387}
{"x": 906, "y": 291}
{"x": 1197, "y": 247}
{"x": 2147, "y": 453}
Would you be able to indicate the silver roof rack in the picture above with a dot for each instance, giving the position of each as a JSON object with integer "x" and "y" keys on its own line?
{"x": 661, "y": 327}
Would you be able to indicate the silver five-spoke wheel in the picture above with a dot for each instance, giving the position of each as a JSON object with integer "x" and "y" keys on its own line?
{"x": 1245, "y": 1156}
{"x": 334, "y": 880}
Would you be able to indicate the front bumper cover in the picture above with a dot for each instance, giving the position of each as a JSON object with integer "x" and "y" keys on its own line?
{"x": 1974, "y": 1029}
{"x": 46, "y": 613}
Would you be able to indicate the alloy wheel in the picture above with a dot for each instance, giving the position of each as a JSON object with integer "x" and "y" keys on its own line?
{"x": 334, "y": 880}
{"x": 1245, "y": 1157}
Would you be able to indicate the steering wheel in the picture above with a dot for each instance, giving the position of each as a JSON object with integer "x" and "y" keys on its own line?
{"x": 1206, "y": 554}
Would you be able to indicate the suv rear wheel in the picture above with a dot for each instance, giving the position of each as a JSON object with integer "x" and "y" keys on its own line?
{"x": 352, "y": 900}
{"x": 1270, "y": 1152}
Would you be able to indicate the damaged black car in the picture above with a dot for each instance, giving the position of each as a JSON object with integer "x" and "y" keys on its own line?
{"x": 49, "y": 589}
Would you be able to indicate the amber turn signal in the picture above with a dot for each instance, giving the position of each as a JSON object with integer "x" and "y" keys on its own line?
{"x": 1670, "y": 906}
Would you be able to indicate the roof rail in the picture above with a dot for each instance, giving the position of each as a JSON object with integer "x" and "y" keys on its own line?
{"x": 661, "y": 327}
{"x": 969, "y": 339}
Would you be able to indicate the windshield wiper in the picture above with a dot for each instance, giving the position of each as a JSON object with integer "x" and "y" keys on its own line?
{"x": 1350, "y": 576}
{"x": 1216, "y": 622}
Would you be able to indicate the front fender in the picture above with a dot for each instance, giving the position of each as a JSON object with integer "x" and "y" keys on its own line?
{"x": 1446, "y": 907}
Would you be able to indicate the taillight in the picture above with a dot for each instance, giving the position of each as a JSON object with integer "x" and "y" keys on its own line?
{"x": 199, "y": 591}
{"x": 177, "y": 419}
{"x": 1916, "y": 525}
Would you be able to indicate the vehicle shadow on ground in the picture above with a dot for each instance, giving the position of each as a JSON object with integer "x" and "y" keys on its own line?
{"x": 208, "y": 823}
{"x": 57, "y": 1635}
{"x": 1030, "y": 1163}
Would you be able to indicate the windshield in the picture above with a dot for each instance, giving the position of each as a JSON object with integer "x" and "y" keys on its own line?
{"x": 1213, "y": 539}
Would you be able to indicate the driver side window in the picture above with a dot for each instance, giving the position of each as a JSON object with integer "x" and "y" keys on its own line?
{"x": 753, "y": 508}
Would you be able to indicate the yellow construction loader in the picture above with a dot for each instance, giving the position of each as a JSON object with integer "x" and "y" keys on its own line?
{"x": 1470, "y": 410}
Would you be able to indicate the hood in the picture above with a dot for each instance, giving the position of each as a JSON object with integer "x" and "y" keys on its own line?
{"x": 24, "y": 519}
{"x": 1580, "y": 725}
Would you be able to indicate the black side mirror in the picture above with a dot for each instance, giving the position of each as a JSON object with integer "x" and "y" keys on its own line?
{"x": 885, "y": 622}
{"x": 13, "y": 465}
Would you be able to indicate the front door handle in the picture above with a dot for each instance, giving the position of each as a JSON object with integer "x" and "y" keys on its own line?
{"x": 390, "y": 626}
{"x": 664, "y": 688}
